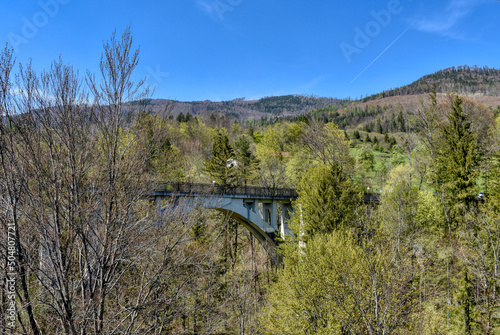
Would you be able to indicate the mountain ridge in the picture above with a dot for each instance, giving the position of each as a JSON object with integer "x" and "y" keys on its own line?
{"x": 480, "y": 83}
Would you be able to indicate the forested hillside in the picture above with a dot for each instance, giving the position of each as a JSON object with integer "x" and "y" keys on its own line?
{"x": 86, "y": 250}
{"x": 464, "y": 80}
{"x": 383, "y": 115}
{"x": 242, "y": 109}
{"x": 481, "y": 84}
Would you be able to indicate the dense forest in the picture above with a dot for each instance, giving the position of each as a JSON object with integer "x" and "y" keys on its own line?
{"x": 84, "y": 250}
{"x": 469, "y": 81}
{"x": 462, "y": 80}
{"x": 246, "y": 109}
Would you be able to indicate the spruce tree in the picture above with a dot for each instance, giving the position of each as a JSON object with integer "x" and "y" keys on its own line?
{"x": 493, "y": 184}
{"x": 180, "y": 118}
{"x": 247, "y": 162}
{"x": 326, "y": 201}
{"x": 457, "y": 161}
{"x": 221, "y": 166}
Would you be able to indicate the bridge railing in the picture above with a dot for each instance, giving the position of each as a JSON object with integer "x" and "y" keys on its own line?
{"x": 207, "y": 189}
{"x": 190, "y": 188}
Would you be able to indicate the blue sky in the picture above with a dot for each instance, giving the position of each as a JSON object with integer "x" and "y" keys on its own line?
{"x": 227, "y": 49}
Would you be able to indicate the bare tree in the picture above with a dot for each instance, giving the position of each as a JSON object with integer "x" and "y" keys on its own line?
{"x": 94, "y": 254}
{"x": 12, "y": 183}
{"x": 327, "y": 144}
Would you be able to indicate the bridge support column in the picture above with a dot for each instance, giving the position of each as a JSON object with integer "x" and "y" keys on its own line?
{"x": 286, "y": 209}
{"x": 270, "y": 213}
{"x": 159, "y": 211}
{"x": 250, "y": 205}
{"x": 157, "y": 203}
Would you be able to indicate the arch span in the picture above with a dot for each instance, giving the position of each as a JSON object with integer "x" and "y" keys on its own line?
{"x": 256, "y": 208}
{"x": 259, "y": 216}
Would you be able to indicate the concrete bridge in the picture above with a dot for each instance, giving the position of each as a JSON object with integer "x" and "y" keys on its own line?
{"x": 263, "y": 211}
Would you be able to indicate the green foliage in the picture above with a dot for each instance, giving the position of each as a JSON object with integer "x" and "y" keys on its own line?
{"x": 457, "y": 159}
{"x": 429, "y": 215}
{"x": 493, "y": 184}
{"x": 325, "y": 143}
{"x": 248, "y": 164}
{"x": 326, "y": 201}
{"x": 335, "y": 285}
{"x": 153, "y": 142}
{"x": 257, "y": 136}
{"x": 379, "y": 127}
{"x": 480, "y": 278}
{"x": 236, "y": 128}
{"x": 399, "y": 206}
{"x": 181, "y": 118}
{"x": 221, "y": 166}
{"x": 366, "y": 159}
{"x": 398, "y": 157}
{"x": 302, "y": 301}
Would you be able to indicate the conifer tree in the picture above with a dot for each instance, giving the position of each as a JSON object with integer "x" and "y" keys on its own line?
{"x": 380, "y": 130}
{"x": 493, "y": 184}
{"x": 180, "y": 118}
{"x": 326, "y": 200}
{"x": 457, "y": 160}
{"x": 248, "y": 164}
{"x": 221, "y": 166}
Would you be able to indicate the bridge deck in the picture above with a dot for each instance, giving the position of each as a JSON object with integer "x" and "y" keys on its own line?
{"x": 190, "y": 189}
{"x": 245, "y": 192}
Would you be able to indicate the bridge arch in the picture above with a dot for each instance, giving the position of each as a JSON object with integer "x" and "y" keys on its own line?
{"x": 254, "y": 208}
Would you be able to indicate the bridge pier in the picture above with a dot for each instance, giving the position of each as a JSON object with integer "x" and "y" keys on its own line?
{"x": 286, "y": 210}
{"x": 270, "y": 213}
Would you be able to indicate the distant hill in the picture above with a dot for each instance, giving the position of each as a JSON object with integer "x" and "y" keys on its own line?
{"x": 242, "y": 109}
{"x": 482, "y": 84}
{"x": 383, "y": 112}
{"x": 463, "y": 80}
